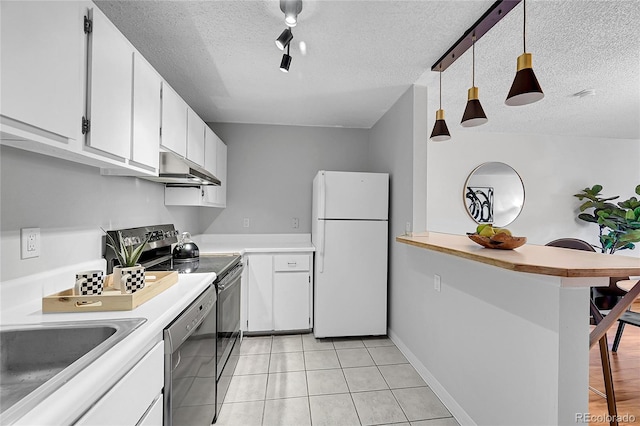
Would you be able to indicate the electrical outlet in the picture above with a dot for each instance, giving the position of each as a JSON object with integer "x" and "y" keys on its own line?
{"x": 436, "y": 282}
{"x": 245, "y": 222}
{"x": 29, "y": 242}
{"x": 295, "y": 223}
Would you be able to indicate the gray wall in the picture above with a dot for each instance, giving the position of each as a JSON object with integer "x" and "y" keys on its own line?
{"x": 270, "y": 171}
{"x": 69, "y": 202}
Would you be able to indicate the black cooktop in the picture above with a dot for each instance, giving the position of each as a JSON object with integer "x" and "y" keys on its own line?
{"x": 219, "y": 264}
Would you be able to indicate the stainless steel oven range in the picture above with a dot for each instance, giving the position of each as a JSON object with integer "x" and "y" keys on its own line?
{"x": 157, "y": 255}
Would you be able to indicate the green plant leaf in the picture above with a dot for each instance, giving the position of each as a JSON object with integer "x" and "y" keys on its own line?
{"x": 638, "y": 189}
{"x": 588, "y": 218}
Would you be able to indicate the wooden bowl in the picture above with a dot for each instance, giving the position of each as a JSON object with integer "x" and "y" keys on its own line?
{"x": 498, "y": 241}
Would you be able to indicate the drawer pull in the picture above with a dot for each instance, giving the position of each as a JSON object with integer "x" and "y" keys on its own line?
{"x": 292, "y": 263}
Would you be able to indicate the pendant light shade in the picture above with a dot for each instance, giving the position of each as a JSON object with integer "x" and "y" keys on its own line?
{"x": 473, "y": 114}
{"x": 284, "y": 39}
{"x": 525, "y": 88}
{"x": 440, "y": 130}
{"x": 286, "y": 61}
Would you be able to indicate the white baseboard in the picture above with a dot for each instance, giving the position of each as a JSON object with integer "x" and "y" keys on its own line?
{"x": 452, "y": 405}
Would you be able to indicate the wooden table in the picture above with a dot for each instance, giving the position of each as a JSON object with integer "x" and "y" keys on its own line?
{"x": 576, "y": 269}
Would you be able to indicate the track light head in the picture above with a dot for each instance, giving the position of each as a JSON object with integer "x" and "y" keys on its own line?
{"x": 291, "y": 9}
{"x": 285, "y": 63}
{"x": 284, "y": 39}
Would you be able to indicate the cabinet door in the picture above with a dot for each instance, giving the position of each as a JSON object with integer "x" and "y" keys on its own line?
{"x": 146, "y": 113}
{"x": 110, "y": 92}
{"x": 217, "y": 195}
{"x": 291, "y": 292}
{"x": 260, "y": 292}
{"x": 132, "y": 395}
{"x": 195, "y": 138}
{"x": 221, "y": 160}
{"x": 174, "y": 121}
{"x": 42, "y": 65}
{"x": 210, "y": 147}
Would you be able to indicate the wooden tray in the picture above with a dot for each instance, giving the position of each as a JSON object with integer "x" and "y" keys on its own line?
{"x": 110, "y": 299}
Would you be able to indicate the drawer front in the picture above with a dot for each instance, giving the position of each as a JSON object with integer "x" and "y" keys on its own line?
{"x": 291, "y": 262}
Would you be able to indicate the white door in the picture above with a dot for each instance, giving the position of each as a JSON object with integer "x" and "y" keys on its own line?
{"x": 42, "y": 64}
{"x": 350, "y": 296}
{"x": 260, "y": 292}
{"x": 174, "y": 121}
{"x": 195, "y": 138}
{"x": 146, "y": 113}
{"x": 111, "y": 73}
{"x": 291, "y": 300}
{"x": 349, "y": 195}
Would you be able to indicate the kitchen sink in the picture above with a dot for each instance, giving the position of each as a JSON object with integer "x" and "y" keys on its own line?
{"x": 37, "y": 359}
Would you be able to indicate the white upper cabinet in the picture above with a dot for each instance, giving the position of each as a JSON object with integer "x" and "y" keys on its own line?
{"x": 174, "y": 121}
{"x": 210, "y": 148}
{"x": 42, "y": 68}
{"x": 147, "y": 84}
{"x": 195, "y": 138}
{"x": 221, "y": 161}
{"x": 110, "y": 91}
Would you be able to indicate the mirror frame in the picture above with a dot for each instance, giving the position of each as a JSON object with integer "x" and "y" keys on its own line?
{"x": 466, "y": 185}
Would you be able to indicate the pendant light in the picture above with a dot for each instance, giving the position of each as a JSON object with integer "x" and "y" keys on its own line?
{"x": 286, "y": 61}
{"x": 440, "y": 131}
{"x": 473, "y": 114}
{"x": 525, "y": 88}
{"x": 284, "y": 39}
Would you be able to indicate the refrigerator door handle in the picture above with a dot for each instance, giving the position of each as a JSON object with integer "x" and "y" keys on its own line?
{"x": 321, "y": 228}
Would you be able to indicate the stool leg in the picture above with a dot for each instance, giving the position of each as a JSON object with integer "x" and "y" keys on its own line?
{"x": 616, "y": 340}
{"x": 608, "y": 381}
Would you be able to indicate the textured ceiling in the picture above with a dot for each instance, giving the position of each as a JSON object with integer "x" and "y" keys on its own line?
{"x": 362, "y": 55}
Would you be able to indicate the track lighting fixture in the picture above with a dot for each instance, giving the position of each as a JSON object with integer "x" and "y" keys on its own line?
{"x": 440, "y": 131}
{"x": 525, "y": 88}
{"x": 286, "y": 61}
{"x": 284, "y": 39}
{"x": 291, "y": 9}
{"x": 473, "y": 114}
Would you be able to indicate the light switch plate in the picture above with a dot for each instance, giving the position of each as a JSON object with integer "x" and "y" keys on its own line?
{"x": 436, "y": 282}
{"x": 29, "y": 242}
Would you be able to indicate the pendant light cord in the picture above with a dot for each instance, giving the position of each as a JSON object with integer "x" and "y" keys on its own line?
{"x": 524, "y": 26}
{"x": 440, "y": 86}
{"x": 473, "y": 65}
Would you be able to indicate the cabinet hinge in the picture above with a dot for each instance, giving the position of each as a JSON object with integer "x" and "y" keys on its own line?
{"x": 86, "y": 125}
{"x": 88, "y": 25}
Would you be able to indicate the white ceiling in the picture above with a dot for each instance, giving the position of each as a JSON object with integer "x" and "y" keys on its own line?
{"x": 362, "y": 55}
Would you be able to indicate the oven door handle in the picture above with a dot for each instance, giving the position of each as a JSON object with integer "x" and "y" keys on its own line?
{"x": 229, "y": 278}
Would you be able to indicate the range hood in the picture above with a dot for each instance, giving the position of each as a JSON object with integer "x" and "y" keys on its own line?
{"x": 177, "y": 171}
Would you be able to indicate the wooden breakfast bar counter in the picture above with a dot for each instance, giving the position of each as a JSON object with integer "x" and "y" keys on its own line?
{"x": 507, "y": 332}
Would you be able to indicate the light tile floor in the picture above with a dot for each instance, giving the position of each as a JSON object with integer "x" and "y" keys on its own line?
{"x": 298, "y": 380}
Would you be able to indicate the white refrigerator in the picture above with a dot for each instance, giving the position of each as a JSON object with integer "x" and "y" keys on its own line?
{"x": 350, "y": 233}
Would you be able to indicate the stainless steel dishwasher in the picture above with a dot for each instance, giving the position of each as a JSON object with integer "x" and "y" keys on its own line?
{"x": 190, "y": 364}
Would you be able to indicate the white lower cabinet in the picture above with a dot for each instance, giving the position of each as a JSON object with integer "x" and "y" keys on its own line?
{"x": 279, "y": 292}
{"x": 135, "y": 397}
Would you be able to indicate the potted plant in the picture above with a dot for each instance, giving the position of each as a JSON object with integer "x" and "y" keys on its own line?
{"x": 128, "y": 256}
{"x": 619, "y": 229}
{"x": 619, "y": 224}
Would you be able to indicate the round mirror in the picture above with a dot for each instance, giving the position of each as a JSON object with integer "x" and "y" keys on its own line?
{"x": 494, "y": 193}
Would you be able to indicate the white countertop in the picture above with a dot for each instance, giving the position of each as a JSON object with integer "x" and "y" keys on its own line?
{"x": 72, "y": 399}
{"x": 253, "y": 243}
